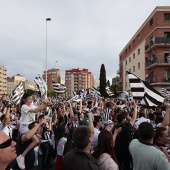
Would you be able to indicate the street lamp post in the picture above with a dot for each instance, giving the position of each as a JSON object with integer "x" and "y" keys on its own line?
{"x": 47, "y": 19}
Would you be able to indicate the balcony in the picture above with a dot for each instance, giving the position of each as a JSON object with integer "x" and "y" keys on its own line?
{"x": 159, "y": 41}
{"x": 154, "y": 61}
{"x": 153, "y": 81}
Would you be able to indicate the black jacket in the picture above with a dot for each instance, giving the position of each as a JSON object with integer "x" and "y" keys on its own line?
{"x": 77, "y": 160}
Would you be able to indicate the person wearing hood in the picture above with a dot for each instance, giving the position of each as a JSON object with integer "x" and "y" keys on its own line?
{"x": 104, "y": 152}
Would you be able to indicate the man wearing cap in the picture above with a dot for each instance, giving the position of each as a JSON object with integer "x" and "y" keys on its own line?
{"x": 7, "y": 150}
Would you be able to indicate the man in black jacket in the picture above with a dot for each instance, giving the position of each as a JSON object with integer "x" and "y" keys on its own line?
{"x": 79, "y": 157}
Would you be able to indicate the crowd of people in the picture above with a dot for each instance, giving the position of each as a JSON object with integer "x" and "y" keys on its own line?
{"x": 91, "y": 134}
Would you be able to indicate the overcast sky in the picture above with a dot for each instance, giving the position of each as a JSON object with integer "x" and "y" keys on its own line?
{"x": 81, "y": 33}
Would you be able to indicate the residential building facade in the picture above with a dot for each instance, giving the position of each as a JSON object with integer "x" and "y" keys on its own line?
{"x": 78, "y": 79}
{"x": 147, "y": 54}
{"x": 3, "y": 80}
{"x": 10, "y": 85}
{"x": 53, "y": 75}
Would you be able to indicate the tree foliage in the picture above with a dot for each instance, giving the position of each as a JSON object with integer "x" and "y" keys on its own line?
{"x": 114, "y": 88}
{"x": 103, "y": 81}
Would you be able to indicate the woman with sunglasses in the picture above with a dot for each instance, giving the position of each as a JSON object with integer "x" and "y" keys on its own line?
{"x": 7, "y": 150}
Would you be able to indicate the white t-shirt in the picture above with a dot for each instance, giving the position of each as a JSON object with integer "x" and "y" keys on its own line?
{"x": 95, "y": 138}
{"x": 7, "y": 129}
{"x": 139, "y": 121}
{"x": 60, "y": 146}
{"x": 26, "y": 116}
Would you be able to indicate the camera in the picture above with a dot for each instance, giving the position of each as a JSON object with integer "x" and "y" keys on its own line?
{"x": 7, "y": 103}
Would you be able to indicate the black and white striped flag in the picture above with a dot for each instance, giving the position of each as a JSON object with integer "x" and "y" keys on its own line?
{"x": 143, "y": 91}
{"x": 110, "y": 94}
{"x": 84, "y": 93}
{"x": 165, "y": 92}
{"x": 41, "y": 84}
{"x": 106, "y": 114}
{"x": 75, "y": 98}
{"x": 95, "y": 92}
{"x": 59, "y": 88}
{"x": 17, "y": 93}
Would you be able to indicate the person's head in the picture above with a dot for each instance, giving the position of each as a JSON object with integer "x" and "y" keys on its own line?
{"x": 82, "y": 137}
{"x": 61, "y": 130}
{"x": 141, "y": 114}
{"x": 7, "y": 150}
{"x": 26, "y": 99}
{"x": 161, "y": 135}
{"x": 76, "y": 114}
{"x": 159, "y": 119}
{"x": 152, "y": 116}
{"x": 105, "y": 145}
{"x": 146, "y": 131}
{"x": 32, "y": 125}
{"x": 121, "y": 118}
{"x": 42, "y": 116}
{"x": 97, "y": 122}
{"x": 3, "y": 118}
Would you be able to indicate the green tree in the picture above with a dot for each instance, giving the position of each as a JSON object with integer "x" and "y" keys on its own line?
{"x": 103, "y": 81}
{"x": 51, "y": 93}
{"x": 114, "y": 88}
{"x": 108, "y": 83}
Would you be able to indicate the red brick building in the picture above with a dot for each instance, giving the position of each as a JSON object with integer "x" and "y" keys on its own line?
{"x": 53, "y": 75}
{"x": 77, "y": 79}
{"x": 147, "y": 54}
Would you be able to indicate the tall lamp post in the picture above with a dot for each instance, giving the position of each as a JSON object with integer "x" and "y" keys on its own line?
{"x": 47, "y": 19}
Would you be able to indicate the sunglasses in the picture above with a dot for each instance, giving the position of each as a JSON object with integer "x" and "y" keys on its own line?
{"x": 6, "y": 144}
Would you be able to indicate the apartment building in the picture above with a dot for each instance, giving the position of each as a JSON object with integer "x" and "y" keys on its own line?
{"x": 53, "y": 75}
{"x": 3, "y": 80}
{"x": 147, "y": 54}
{"x": 10, "y": 85}
{"x": 77, "y": 79}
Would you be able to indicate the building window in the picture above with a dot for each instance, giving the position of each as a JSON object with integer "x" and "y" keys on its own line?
{"x": 133, "y": 68}
{"x": 138, "y": 51}
{"x": 129, "y": 59}
{"x": 166, "y": 16}
{"x": 167, "y": 75}
{"x": 138, "y": 66}
{"x": 126, "y": 62}
{"x": 126, "y": 84}
{"x": 130, "y": 70}
{"x": 133, "y": 55}
{"x": 167, "y": 34}
{"x": 151, "y": 22}
{"x": 129, "y": 47}
{"x": 138, "y": 37}
{"x": 133, "y": 43}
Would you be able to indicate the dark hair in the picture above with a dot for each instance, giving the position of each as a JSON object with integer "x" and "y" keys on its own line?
{"x": 158, "y": 133}
{"x": 31, "y": 125}
{"x": 146, "y": 131}
{"x": 96, "y": 120}
{"x": 120, "y": 117}
{"x": 105, "y": 145}
{"x": 141, "y": 114}
{"x": 108, "y": 104}
{"x": 159, "y": 119}
{"x": 41, "y": 116}
{"x": 151, "y": 116}
{"x": 81, "y": 136}
{"x": 2, "y": 117}
{"x": 61, "y": 131}
{"x": 24, "y": 97}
